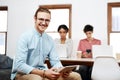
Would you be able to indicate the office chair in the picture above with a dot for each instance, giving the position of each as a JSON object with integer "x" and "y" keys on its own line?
{"x": 105, "y": 68}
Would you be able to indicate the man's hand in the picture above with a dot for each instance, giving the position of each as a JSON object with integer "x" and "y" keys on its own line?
{"x": 52, "y": 74}
{"x": 66, "y": 74}
{"x": 87, "y": 55}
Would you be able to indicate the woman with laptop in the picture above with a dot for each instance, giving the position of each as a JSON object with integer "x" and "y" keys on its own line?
{"x": 85, "y": 45}
{"x": 63, "y": 30}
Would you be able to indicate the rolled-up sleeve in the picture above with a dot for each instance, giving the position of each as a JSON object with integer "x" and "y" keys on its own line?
{"x": 21, "y": 57}
{"x": 54, "y": 58}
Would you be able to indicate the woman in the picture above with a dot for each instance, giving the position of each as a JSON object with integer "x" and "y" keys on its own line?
{"x": 63, "y": 30}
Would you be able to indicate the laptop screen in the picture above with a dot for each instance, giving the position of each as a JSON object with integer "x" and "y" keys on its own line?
{"x": 102, "y": 50}
{"x": 61, "y": 50}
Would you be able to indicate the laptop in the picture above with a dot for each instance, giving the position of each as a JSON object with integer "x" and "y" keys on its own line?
{"x": 61, "y": 50}
{"x": 102, "y": 50}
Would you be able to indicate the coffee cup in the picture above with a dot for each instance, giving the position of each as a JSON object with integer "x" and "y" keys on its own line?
{"x": 79, "y": 54}
{"x": 118, "y": 56}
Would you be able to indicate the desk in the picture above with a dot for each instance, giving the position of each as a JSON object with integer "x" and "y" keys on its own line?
{"x": 80, "y": 61}
{"x": 74, "y": 61}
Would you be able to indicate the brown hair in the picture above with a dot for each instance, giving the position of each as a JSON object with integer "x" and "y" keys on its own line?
{"x": 41, "y": 9}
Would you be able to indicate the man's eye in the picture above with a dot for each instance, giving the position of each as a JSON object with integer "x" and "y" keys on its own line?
{"x": 46, "y": 20}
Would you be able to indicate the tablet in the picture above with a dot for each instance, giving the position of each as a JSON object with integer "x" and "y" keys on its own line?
{"x": 67, "y": 68}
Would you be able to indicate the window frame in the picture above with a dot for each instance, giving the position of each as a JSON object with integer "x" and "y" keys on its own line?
{"x": 4, "y": 8}
{"x": 62, "y": 6}
{"x": 109, "y": 19}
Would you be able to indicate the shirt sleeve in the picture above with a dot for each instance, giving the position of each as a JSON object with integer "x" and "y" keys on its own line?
{"x": 54, "y": 58}
{"x": 78, "y": 46}
{"x": 81, "y": 46}
{"x": 99, "y": 42}
{"x": 21, "y": 57}
{"x": 69, "y": 46}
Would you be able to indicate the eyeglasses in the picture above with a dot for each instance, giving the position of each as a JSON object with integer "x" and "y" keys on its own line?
{"x": 42, "y": 20}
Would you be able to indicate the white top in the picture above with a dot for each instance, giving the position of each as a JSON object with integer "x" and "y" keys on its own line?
{"x": 69, "y": 45}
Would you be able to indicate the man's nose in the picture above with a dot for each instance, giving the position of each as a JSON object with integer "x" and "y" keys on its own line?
{"x": 43, "y": 22}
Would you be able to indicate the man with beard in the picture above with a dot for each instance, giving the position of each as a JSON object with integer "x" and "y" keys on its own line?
{"x": 34, "y": 46}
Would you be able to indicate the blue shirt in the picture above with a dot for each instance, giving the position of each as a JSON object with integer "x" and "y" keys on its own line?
{"x": 32, "y": 50}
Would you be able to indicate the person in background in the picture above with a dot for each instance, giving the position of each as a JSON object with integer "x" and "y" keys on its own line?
{"x": 85, "y": 45}
{"x": 34, "y": 46}
{"x": 63, "y": 30}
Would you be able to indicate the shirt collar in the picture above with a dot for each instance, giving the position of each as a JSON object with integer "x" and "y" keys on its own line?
{"x": 37, "y": 33}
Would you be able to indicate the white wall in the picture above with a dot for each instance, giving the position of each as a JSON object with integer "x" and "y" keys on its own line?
{"x": 20, "y": 18}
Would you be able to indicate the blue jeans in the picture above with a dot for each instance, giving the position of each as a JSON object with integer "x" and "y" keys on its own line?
{"x": 85, "y": 72}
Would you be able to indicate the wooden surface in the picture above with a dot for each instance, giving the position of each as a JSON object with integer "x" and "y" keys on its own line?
{"x": 80, "y": 61}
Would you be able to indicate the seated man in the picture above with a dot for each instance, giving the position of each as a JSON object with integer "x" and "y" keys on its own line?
{"x": 85, "y": 45}
{"x": 33, "y": 48}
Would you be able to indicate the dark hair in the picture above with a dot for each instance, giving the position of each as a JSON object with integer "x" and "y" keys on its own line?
{"x": 41, "y": 9}
{"x": 88, "y": 28}
{"x": 64, "y": 27}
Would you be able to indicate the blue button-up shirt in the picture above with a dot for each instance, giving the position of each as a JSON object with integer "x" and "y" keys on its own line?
{"x": 32, "y": 50}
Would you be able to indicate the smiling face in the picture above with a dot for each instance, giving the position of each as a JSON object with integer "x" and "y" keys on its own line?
{"x": 42, "y": 21}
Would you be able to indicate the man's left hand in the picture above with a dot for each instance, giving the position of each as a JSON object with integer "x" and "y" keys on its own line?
{"x": 66, "y": 74}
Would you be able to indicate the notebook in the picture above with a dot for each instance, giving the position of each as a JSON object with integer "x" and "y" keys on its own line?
{"x": 102, "y": 50}
{"x": 61, "y": 50}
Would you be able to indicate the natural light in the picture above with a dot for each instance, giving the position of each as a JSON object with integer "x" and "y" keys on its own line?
{"x": 3, "y": 21}
{"x": 115, "y": 19}
{"x": 58, "y": 17}
{"x": 115, "y": 42}
{"x": 115, "y": 37}
{"x": 3, "y": 29}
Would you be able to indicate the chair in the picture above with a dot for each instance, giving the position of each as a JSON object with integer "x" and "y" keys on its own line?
{"x": 5, "y": 67}
{"x": 105, "y": 68}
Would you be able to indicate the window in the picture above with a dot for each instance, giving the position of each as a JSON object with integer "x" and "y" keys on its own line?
{"x": 3, "y": 29}
{"x": 114, "y": 26}
{"x": 60, "y": 14}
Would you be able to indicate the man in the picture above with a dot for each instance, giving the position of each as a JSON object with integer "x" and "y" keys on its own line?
{"x": 33, "y": 48}
{"x": 85, "y": 45}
